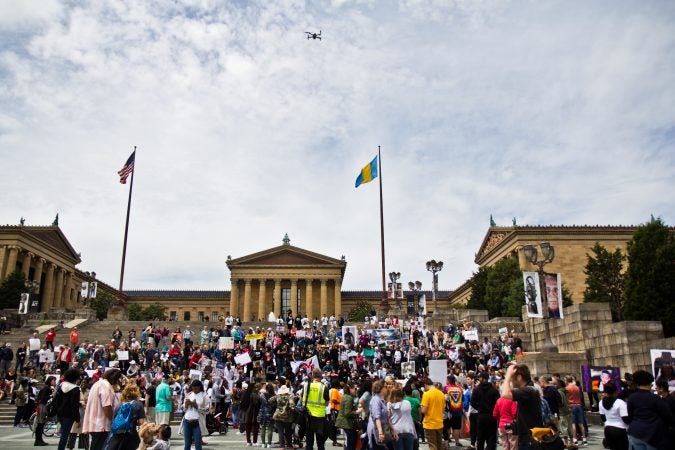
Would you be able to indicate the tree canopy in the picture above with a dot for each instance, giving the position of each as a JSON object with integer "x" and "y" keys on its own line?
{"x": 604, "y": 280}
{"x": 649, "y": 287}
{"x": 11, "y": 289}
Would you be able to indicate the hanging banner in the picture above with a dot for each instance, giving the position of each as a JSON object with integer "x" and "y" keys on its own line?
{"x": 532, "y": 294}
{"x": 554, "y": 295}
{"x": 84, "y": 290}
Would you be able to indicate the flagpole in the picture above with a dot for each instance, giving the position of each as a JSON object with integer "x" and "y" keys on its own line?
{"x": 384, "y": 304}
{"x": 126, "y": 226}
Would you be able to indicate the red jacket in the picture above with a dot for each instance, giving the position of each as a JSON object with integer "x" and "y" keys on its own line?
{"x": 50, "y": 336}
{"x": 505, "y": 411}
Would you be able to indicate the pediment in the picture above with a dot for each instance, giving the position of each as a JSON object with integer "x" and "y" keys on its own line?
{"x": 286, "y": 255}
{"x": 494, "y": 236}
{"x": 51, "y": 236}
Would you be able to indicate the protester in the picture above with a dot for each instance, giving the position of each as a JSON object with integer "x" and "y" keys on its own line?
{"x": 195, "y": 401}
{"x": 433, "y": 406}
{"x": 648, "y": 416}
{"x": 483, "y": 400}
{"x": 67, "y": 399}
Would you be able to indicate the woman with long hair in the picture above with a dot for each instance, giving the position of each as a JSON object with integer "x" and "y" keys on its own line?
{"x": 346, "y": 418}
{"x": 127, "y": 439}
{"x": 614, "y": 414}
{"x": 379, "y": 433}
{"x": 195, "y": 401}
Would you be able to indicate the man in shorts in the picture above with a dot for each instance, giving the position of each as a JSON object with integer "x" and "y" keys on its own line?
{"x": 574, "y": 400}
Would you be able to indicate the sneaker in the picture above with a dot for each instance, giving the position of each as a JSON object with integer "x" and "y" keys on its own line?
{"x": 584, "y": 443}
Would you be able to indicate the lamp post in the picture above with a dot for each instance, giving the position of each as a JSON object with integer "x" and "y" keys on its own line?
{"x": 416, "y": 287}
{"x": 548, "y": 252}
{"x": 434, "y": 267}
{"x": 394, "y": 277}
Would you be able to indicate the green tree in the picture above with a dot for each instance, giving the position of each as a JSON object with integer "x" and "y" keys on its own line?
{"x": 135, "y": 312}
{"x": 102, "y": 304}
{"x": 567, "y": 296}
{"x": 604, "y": 281}
{"x": 478, "y": 289}
{"x": 650, "y": 277}
{"x": 359, "y": 312}
{"x": 154, "y": 311}
{"x": 11, "y": 289}
{"x": 501, "y": 279}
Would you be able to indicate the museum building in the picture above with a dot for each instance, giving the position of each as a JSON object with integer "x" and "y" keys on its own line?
{"x": 285, "y": 277}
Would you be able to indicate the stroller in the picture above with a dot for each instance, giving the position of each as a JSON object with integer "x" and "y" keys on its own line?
{"x": 214, "y": 423}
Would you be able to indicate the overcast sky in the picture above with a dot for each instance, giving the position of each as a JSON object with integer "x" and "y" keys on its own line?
{"x": 550, "y": 112}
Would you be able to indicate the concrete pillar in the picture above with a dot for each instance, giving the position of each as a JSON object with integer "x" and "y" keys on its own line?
{"x": 262, "y": 293}
{"x": 294, "y": 297}
{"x": 69, "y": 303}
{"x": 58, "y": 289}
{"x": 38, "y": 271}
{"x": 247, "y": 301}
{"x": 309, "y": 299}
{"x": 277, "y": 297}
{"x": 338, "y": 298}
{"x": 324, "y": 298}
{"x": 11, "y": 261}
{"x": 48, "y": 296}
{"x": 25, "y": 266}
{"x": 234, "y": 297}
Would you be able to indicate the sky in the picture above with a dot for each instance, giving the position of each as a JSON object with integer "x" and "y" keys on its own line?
{"x": 552, "y": 112}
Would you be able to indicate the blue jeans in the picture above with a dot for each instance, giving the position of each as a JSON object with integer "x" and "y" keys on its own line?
{"x": 190, "y": 433}
{"x": 639, "y": 444}
{"x": 66, "y": 425}
{"x": 235, "y": 414}
{"x": 405, "y": 441}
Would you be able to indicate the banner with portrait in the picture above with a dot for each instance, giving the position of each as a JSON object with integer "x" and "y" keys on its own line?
{"x": 594, "y": 379}
{"x": 532, "y": 294}
{"x": 663, "y": 365}
{"x": 554, "y": 295}
{"x": 383, "y": 334}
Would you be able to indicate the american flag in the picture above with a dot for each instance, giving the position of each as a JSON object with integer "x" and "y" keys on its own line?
{"x": 128, "y": 168}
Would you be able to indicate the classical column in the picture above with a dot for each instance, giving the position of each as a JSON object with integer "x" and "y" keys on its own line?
{"x": 58, "y": 289}
{"x": 324, "y": 297}
{"x": 338, "y": 298}
{"x": 48, "y": 295}
{"x": 309, "y": 299}
{"x": 38, "y": 271}
{"x": 69, "y": 292}
{"x": 277, "y": 297}
{"x": 247, "y": 301}
{"x": 262, "y": 293}
{"x": 294, "y": 296}
{"x": 234, "y": 297}
{"x": 11, "y": 261}
{"x": 25, "y": 266}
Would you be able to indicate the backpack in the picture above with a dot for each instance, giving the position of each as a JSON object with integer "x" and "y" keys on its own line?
{"x": 124, "y": 420}
{"x": 546, "y": 415}
{"x": 455, "y": 400}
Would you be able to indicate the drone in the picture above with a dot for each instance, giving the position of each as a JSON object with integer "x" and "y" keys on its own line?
{"x": 313, "y": 35}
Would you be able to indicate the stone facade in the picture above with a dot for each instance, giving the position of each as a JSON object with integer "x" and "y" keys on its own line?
{"x": 572, "y": 245}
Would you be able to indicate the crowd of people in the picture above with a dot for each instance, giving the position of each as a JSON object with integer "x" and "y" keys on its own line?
{"x": 304, "y": 383}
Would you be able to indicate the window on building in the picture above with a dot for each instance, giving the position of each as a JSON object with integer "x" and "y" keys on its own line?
{"x": 200, "y": 316}
{"x": 214, "y": 316}
{"x": 172, "y": 315}
{"x": 186, "y": 316}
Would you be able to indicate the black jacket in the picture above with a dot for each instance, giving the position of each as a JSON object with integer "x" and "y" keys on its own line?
{"x": 68, "y": 401}
{"x": 484, "y": 397}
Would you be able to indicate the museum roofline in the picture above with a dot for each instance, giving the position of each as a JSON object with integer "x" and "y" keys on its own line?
{"x": 201, "y": 294}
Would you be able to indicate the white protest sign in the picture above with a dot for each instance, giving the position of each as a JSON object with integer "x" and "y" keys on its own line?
{"x": 471, "y": 335}
{"x": 122, "y": 355}
{"x": 503, "y": 331}
{"x": 34, "y": 344}
{"x": 438, "y": 370}
{"x": 243, "y": 359}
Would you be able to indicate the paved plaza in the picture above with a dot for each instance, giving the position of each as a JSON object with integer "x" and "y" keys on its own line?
{"x": 21, "y": 438}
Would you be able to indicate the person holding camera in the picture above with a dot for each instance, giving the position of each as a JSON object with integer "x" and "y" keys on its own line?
{"x": 518, "y": 387}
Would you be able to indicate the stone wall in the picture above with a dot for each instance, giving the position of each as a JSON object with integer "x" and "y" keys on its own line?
{"x": 587, "y": 327}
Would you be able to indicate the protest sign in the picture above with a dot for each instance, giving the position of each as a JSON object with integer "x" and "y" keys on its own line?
{"x": 243, "y": 359}
{"x": 122, "y": 355}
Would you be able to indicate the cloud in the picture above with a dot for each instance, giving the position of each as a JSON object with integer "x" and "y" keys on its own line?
{"x": 246, "y": 130}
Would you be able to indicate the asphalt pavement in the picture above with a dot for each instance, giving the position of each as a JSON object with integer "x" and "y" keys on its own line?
{"x": 22, "y": 438}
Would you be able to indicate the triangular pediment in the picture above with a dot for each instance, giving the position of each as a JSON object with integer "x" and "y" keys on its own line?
{"x": 286, "y": 255}
{"x": 493, "y": 237}
{"x": 49, "y": 236}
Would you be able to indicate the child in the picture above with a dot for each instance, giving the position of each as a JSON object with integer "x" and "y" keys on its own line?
{"x": 163, "y": 441}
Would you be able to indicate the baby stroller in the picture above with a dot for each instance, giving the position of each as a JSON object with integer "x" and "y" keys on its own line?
{"x": 214, "y": 424}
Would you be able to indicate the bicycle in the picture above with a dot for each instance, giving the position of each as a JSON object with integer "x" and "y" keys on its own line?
{"x": 51, "y": 426}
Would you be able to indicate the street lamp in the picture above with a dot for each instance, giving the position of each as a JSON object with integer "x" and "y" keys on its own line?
{"x": 394, "y": 277}
{"x": 416, "y": 287}
{"x": 548, "y": 252}
{"x": 434, "y": 267}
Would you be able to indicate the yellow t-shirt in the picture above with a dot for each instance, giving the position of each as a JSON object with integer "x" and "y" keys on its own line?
{"x": 434, "y": 402}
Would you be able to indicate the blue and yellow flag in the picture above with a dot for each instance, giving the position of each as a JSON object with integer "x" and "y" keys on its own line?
{"x": 368, "y": 173}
